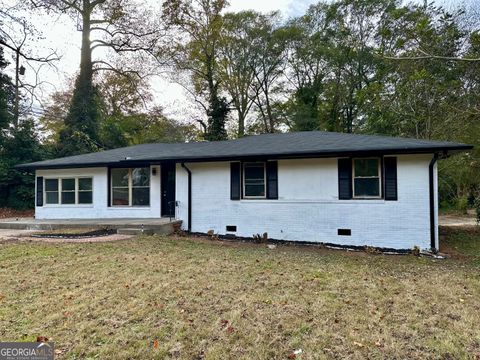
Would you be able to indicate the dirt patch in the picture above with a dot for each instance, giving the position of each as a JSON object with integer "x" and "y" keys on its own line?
{"x": 75, "y": 235}
{"x": 7, "y": 213}
{"x": 95, "y": 239}
{"x": 456, "y": 220}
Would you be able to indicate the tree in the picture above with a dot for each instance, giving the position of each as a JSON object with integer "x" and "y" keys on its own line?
{"x": 307, "y": 67}
{"x": 20, "y": 146}
{"x": 17, "y": 34}
{"x": 7, "y": 94}
{"x": 123, "y": 28}
{"x": 195, "y": 29}
{"x": 124, "y": 119}
{"x": 17, "y": 144}
{"x": 236, "y": 68}
{"x": 268, "y": 63}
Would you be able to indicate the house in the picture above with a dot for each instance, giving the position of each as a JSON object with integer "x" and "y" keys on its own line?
{"x": 319, "y": 187}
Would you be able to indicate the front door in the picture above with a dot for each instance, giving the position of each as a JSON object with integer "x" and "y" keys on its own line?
{"x": 168, "y": 189}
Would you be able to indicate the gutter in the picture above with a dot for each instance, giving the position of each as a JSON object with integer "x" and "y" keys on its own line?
{"x": 189, "y": 196}
{"x": 432, "y": 201}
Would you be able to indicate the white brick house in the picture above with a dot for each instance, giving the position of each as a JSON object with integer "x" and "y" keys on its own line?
{"x": 309, "y": 186}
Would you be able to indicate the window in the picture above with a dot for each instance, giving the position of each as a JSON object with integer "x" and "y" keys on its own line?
{"x": 85, "y": 191}
{"x": 69, "y": 191}
{"x": 366, "y": 178}
{"x": 51, "y": 191}
{"x": 254, "y": 180}
{"x": 131, "y": 187}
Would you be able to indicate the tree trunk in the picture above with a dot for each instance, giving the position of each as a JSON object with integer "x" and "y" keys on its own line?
{"x": 16, "y": 110}
{"x": 241, "y": 123}
{"x": 86, "y": 67}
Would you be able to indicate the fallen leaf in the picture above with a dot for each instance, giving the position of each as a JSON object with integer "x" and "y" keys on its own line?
{"x": 230, "y": 329}
{"x": 42, "y": 339}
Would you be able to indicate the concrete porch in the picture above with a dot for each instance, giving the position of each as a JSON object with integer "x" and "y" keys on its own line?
{"x": 163, "y": 226}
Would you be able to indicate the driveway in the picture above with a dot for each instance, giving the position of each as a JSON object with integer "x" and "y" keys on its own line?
{"x": 12, "y": 234}
{"x": 456, "y": 220}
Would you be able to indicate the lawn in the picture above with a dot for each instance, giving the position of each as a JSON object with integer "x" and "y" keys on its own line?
{"x": 167, "y": 297}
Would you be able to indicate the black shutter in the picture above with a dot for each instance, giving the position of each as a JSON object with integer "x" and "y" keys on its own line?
{"x": 344, "y": 179}
{"x": 109, "y": 184}
{"x": 39, "y": 190}
{"x": 390, "y": 164}
{"x": 272, "y": 180}
{"x": 235, "y": 183}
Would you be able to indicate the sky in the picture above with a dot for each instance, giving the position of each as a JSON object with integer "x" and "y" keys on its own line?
{"x": 60, "y": 33}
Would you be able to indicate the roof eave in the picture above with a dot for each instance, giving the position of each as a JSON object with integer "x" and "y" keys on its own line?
{"x": 303, "y": 155}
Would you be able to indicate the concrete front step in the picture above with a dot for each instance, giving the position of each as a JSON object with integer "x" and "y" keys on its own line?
{"x": 154, "y": 226}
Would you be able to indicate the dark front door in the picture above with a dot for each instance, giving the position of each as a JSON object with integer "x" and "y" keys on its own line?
{"x": 168, "y": 189}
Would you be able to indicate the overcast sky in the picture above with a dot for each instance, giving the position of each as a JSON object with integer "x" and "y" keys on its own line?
{"x": 60, "y": 33}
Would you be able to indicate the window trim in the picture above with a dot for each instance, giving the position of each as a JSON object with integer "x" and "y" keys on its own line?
{"x": 45, "y": 191}
{"x": 264, "y": 180}
{"x": 379, "y": 176}
{"x": 78, "y": 191}
{"x": 130, "y": 188}
{"x": 74, "y": 191}
{"x": 60, "y": 190}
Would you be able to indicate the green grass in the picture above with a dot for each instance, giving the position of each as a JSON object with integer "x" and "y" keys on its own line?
{"x": 199, "y": 299}
{"x": 465, "y": 241}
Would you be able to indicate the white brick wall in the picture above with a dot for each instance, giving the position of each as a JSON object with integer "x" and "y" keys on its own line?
{"x": 308, "y": 208}
{"x": 99, "y": 209}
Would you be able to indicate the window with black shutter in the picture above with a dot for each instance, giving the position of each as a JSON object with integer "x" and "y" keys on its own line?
{"x": 254, "y": 180}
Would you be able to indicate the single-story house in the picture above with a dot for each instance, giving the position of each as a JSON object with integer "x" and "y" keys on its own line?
{"x": 320, "y": 187}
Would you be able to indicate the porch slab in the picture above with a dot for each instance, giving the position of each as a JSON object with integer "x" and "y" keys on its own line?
{"x": 156, "y": 225}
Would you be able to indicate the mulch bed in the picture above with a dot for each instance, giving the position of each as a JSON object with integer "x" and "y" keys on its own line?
{"x": 88, "y": 234}
{"x": 6, "y": 213}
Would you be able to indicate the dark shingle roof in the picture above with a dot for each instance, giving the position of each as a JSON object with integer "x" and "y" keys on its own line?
{"x": 284, "y": 145}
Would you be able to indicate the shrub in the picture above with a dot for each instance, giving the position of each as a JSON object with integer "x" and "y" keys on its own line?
{"x": 477, "y": 208}
{"x": 462, "y": 204}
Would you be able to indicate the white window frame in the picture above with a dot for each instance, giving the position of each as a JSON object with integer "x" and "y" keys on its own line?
{"x": 74, "y": 191}
{"x": 45, "y": 191}
{"x": 60, "y": 179}
{"x": 78, "y": 191}
{"x": 264, "y": 180}
{"x": 379, "y": 173}
{"x": 131, "y": 187}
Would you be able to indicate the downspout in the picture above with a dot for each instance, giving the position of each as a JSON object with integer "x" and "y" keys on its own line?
{"x": 432, "y": 202}
{"x": 189, "y": 211}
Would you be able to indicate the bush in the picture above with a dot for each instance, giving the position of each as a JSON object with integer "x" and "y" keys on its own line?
{"x": 462, "y": 204}
{"x": 477, "y": 208}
